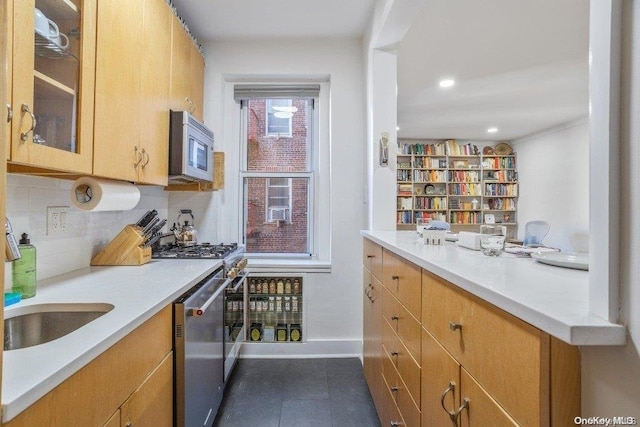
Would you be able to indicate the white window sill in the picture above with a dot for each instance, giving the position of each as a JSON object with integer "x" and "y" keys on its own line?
{"x": 268, "y": 265}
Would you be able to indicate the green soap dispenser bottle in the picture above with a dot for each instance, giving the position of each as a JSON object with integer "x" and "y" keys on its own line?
{"x": 24, "y": 269}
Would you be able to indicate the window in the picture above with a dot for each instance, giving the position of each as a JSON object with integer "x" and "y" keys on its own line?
{"x": 278, "y": 173}
{"x": 278, "y": 199}
{"x": 279, "y": 114}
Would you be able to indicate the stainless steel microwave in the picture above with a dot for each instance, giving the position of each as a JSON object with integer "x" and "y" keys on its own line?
{"x": 190, "y": 149}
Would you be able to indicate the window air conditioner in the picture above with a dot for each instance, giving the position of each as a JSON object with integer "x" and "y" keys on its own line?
{"x": 277, "y": 214}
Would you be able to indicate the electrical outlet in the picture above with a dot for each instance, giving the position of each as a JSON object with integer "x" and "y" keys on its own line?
{"x": 57, "y": 219}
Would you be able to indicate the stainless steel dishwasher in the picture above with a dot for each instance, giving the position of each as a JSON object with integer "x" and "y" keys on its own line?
{"x": 199, "y": 351}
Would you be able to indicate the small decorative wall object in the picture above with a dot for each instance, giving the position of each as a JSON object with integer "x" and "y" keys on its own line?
{"x": 489, "y": 219}
{"x": 384, "y": 149}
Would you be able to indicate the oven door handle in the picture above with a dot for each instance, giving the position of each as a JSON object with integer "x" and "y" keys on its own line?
{"x": 199, "y": 311}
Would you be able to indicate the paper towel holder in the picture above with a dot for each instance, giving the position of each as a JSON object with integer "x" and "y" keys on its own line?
{"x": 84, "y": 193}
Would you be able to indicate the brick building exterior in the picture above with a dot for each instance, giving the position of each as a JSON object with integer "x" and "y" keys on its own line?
{"x": 277, "y": 153}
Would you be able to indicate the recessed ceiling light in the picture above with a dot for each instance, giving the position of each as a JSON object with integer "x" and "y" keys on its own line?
{"x": 397, "y": 128}
{"x": 492, "y": 130}
{"x": 447, "y": 82}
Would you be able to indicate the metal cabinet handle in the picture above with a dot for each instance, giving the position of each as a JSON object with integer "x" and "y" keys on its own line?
{"x": 370, "y": 256}
{"x": 129, "y": 424}
{"x": 394, "y": 389}
{"x": 9, "y": 113}
{"x": 455, "y": 326}
{"x": 395, "y": 277}
{"x": 465, "y": 405}
{"x": 394, "y": 353}
{"x": 138, "y": 155}
{"x": 192, "y": 106}
{"x": 367, "y": 291}
{"x": 394, "y": 318}
{"x": 452, "y": 415}
{"x": 145, "y": 155}
{"x": 395, "y": 423}
{"x": 25, "y": 135}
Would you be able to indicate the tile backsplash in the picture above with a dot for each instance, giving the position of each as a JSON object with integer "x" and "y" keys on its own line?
{"x": 87, "y": 232}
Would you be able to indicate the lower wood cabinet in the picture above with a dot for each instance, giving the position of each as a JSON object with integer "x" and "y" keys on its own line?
{"x": 152, "y": 403}
{"x": 133, "y": 377}
{"x": 450, "y": 396}
{"x": 372, "y": 347}
{"x": 460, "y": 361}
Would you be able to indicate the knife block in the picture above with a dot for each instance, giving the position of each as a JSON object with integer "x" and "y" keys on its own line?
{"x": 124, "y": 249}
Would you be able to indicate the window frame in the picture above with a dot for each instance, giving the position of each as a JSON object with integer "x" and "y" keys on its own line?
{"x": 311, "y": 175}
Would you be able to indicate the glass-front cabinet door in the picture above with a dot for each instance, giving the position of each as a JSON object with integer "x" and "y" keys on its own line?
{"x": 53, "y": 84}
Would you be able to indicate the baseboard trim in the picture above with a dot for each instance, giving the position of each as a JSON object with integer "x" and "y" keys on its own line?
{"x": 309, "y": 349}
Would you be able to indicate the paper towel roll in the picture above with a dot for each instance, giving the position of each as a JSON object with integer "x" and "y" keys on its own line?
{"x": 96, "y": 194}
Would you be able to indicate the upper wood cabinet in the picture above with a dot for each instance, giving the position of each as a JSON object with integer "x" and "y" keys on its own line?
{"x": 132, "y": 91}
{"x": 187, "y": 73}
{"x": 53, "y": 72}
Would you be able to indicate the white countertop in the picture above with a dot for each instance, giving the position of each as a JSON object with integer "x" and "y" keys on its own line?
{"x": 553, "y": 299}
{"x": 137, "y": 293}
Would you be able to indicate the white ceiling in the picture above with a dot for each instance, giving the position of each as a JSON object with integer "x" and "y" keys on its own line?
{"x": 264, "y": 19}
{"x": 520, "y": 65}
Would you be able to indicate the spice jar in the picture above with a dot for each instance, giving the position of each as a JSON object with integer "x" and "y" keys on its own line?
{"x": 280, "y": 286}
{"x": 287, "y": 287}
{"x": 272, "y": 286}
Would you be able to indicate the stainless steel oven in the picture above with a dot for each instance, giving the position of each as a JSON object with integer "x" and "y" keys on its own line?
{"x": 199, "y": 351}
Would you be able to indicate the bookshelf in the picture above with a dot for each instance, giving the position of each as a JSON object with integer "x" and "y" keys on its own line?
{"x": 454, "y": 182}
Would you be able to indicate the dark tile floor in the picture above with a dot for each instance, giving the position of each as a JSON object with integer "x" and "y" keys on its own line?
{"x": 297, "y": 393}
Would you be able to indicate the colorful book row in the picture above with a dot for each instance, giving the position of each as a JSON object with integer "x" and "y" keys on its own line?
{"x": 499, "y": 162}
{"x": 429, "y": 176}
{"x": 464, "y": 176}
{"x": 465, "y": 189}
{"x": 464, "y": 218}
{"x": 436, "y": 203}
{"x": 509, "y": 190}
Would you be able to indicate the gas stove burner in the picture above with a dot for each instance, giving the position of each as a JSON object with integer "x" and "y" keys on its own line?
{"x": 201, "y": 250}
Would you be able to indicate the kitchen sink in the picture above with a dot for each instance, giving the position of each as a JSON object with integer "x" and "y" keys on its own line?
{"x": 41, "y": 323}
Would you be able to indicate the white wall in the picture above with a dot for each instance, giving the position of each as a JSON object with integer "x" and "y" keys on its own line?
{"x": 334, "y": 300}
{"x": 611, "y": 375}
{"x": 553, "y": 174}
{"x": 88, "y": 232}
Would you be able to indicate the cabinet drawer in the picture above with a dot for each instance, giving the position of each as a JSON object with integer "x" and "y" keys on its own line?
{"x": 407, "y": 368}
{"x": 405, "y": 325}
{"x": 409, "y": 412}
{"x": 403, "y": 279}
{"x": 493, "y": 346}
{"x": 390, "y": 413}
{"x": 482, "y": 409}
{"x": 372, "y": 257}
